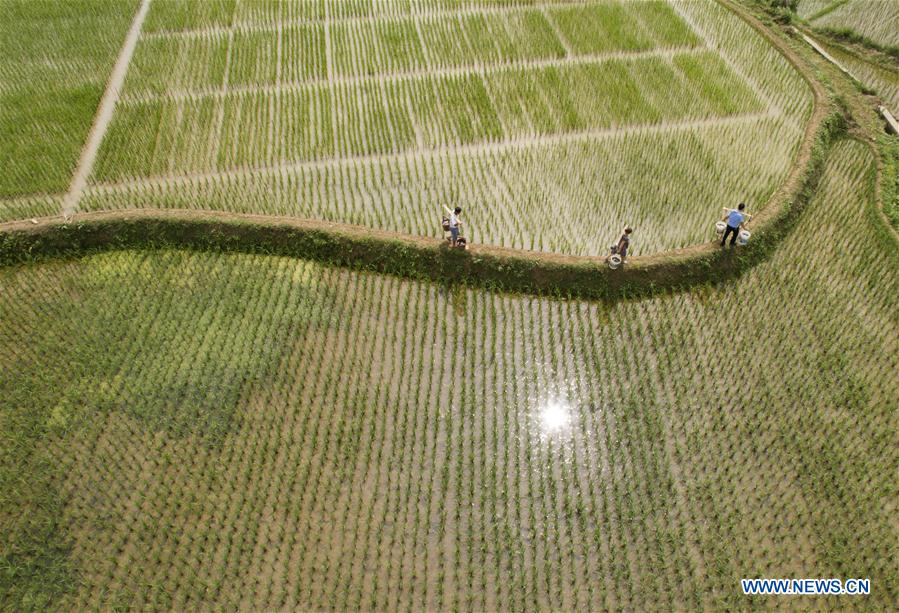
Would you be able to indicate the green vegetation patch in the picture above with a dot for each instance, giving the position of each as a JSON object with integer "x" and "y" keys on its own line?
{"x": 179, "y": 359}
{"x": 152, "y": 137}
{"x": 43, "y": 132}
{"x": 54, "y": 61}
{"x": 175, "y": 15}
{"x": 622, "y": 26}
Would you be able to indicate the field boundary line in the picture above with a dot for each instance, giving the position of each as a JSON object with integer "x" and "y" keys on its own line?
{"x": 569, "y": 52}
{"x": 250, "y": 26}
{"x": 329, "y": 78}
{"x": 332, "y": 80}
{"x": 104, "y": 113}
{"x": 414, "y": 153}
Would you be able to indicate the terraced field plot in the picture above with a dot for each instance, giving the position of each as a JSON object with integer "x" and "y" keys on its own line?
{"x": 551, "y": 123}
{"x": 54, "y": 60}
{"x": 877, "y": 20}
{"x": 265, "y": 433}
{"x": 882, "y": 78}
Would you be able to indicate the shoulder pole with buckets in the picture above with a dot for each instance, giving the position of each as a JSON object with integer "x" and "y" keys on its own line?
{"x": 744, "y": 235}
{"x": 618, "y": 251}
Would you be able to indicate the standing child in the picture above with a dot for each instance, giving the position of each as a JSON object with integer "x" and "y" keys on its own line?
{"x": 455, "y": 223}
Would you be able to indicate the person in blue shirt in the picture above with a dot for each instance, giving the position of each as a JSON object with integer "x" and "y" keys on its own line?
{"x": 734, "y": 218}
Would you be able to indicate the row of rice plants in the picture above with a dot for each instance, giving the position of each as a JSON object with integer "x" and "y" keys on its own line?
{"x": 754, "y": 60}
{"x": 489, "y": 39}
{"x": 244, "y": 130}
{"x": 394, "y": 445}
{"x": 163, "y": 64}
{"x": 209, "y": 63}
{"x": 169, "y": 16}
{"x": 670, "y": 184}
{"x": 362, "y": 9}
{"x": 55, "y": 58}
{"x": 171, "y": 137}
{"x": 249, "y": 12}
{"x": 175, "y": 15}
{"x": 873, "y": 19}
{"x": 23, "y": 207}
{"x": 379, "y": 47}
{"x": 617, "y": 26}
{"x": 641, "y": 91}
{"x": 386, "y": 47}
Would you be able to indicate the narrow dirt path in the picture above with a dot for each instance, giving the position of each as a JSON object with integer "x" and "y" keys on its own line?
{"x": 104, "y": 113}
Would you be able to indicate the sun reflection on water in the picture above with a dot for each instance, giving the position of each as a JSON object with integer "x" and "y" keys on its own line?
{"x": 555, "y": 416}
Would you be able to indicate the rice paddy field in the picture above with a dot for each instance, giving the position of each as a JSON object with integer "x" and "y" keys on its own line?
{"x": 874, "y": 19}
{"x": 878, "y": 22}
{"x": 199, "y": 430}
{"x": 553, "y": 124}
{"x": 223, "y": 431}
{"x": 880, "y": 77}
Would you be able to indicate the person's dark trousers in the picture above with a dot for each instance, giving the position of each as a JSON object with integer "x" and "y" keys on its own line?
{"x": 729, "y": 230}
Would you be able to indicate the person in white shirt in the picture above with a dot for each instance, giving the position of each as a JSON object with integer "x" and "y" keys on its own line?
{"x": 455, "y": 223}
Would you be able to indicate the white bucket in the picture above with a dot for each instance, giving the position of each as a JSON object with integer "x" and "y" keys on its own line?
{"x": 720, "y": 227}
{"x": 743, "y": 239}
{"x": 614, "y": 261}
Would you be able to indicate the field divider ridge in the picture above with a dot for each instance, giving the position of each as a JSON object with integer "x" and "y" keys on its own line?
{"x": 103, "y": 117}
{"x": 563, "y": 40}
{"x": 412, "y": 75}
{"x": 433, "y": 260}
{"x": 270, "y": 26}
{"x": 497, "y": 146}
